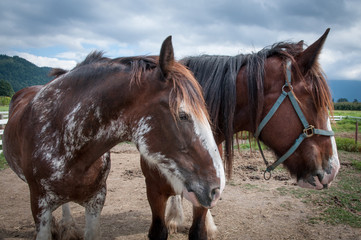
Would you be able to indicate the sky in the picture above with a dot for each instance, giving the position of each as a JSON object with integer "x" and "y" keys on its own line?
{"x": 60, "y": 34}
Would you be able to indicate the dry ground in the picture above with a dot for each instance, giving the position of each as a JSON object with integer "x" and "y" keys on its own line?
{"x": 251, "y": 208}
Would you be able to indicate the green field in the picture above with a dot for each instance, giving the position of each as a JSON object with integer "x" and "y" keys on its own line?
{"x": 4, "y": 108}
{"x": 347, "y": 113}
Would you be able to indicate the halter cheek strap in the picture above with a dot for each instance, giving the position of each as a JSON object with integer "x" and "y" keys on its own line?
{"x": 308, "y": 130}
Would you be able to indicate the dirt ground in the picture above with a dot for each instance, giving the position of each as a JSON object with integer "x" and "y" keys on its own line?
{"x": 251, "y": 208}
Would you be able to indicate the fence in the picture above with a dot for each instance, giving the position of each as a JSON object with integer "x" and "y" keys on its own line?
{"x": 3, "y": 122}
{"x": 339, "y": 118}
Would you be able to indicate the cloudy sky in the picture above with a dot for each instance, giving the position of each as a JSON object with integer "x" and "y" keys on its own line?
{"x": 61, "y": 33}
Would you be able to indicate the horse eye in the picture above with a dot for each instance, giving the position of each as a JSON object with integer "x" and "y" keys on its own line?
{"x": 184, "y": 116}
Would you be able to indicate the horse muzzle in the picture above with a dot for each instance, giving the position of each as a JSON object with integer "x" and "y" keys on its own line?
{"x": 207, "y": 199}
{"x": 320, "y": 179}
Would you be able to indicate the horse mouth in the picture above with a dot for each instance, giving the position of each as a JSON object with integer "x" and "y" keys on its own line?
{"x": 320, "y": 179}
{"x": 199, "y": 201}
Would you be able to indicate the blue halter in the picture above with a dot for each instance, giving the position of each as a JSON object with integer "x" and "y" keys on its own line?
{"x": 308, "y": 130}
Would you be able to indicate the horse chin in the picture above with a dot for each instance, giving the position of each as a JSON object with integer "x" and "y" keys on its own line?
{"x": 311, "y": 182}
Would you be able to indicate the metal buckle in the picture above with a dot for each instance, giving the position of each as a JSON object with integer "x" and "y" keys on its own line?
{"x": 290, "y": 88}
{"x": 309, "y": 131}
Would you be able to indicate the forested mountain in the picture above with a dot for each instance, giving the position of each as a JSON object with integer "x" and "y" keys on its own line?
{"x": 347, "y": 89}
{"x": 21, "y": 73}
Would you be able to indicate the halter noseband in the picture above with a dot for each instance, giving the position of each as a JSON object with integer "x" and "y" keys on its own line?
{"x": 308, "y": 130}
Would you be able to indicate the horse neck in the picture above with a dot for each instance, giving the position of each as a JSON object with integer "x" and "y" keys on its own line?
{"x": 242, "y": 120}
{"x": 98, "y": 107}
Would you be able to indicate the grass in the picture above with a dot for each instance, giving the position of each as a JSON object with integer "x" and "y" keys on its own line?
{"x": 4, "y": 108}
{"x": 341, "y": 203}
{"x": 346, "y": 125}
{"x": 3, "y": 163}
{"x": 347, "y": 113}
{"x": 348, "y": 144}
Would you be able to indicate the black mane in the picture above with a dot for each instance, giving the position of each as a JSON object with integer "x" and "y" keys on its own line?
{"x": 217, "y": 75}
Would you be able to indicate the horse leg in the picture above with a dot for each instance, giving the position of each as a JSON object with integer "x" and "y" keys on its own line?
{"x": 174, "y": 213}
{"x": 42, "y": 214}
{"x": 93, "y": 208}
{"x": 158, "y": 192}
{"x": 203, "y": 226}
{"x": 67, "y": 227}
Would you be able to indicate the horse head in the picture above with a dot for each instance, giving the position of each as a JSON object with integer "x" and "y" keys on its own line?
{"x": 174, "y": 133}
{"x": 294, "y": 120}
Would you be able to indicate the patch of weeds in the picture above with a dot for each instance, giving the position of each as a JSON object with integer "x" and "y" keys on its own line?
{"x": 356, "y": 164}
{"x": 299, "y": 193}
{"x": 3, "y": 163}
{"x": 283, "y": 191}
{"x": 231, "y": 183}
{"x": 348, "y": 144}
{"x": 341, "y": 203}
{"x": 249, "y": 186}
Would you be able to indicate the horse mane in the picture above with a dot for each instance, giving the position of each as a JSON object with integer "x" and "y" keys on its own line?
{"x": 217, "y": 75}
{"x": 254, "y": 64}
{"x": 186, "y": 88}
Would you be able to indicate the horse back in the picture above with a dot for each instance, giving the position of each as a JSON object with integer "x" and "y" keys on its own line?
{"x": 21, "y": 99}
{"x": 11, "y": 146}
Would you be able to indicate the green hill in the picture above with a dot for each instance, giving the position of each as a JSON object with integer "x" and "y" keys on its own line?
{"x": 21, "y": 73}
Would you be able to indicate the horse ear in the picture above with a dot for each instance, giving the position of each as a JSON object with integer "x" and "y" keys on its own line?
{"x": 166, "y": 57}
{"x": 307, "y": 58}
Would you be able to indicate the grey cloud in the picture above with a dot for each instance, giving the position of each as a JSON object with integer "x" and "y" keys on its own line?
{"x": 140, "y": 26}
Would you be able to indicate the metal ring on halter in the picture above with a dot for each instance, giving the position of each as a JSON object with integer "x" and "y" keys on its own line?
{"x": 286, "y": 85}
{"x": 264, "y": 175}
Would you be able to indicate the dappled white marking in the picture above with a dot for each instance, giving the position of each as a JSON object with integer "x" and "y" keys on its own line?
{"x": 167, "y": 166}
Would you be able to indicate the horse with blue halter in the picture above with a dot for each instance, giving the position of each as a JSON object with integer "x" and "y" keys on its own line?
{"x": 58, "y": 136}
{"x": 278, "y": 94}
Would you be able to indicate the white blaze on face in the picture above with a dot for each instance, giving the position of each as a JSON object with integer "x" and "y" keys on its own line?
{"x": 329, "y": 174}
{"x": 333, "y": 160}
{"x": 204, "y": 132}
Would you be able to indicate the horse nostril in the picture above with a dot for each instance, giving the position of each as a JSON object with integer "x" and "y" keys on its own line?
{"x": 215, "y": 194}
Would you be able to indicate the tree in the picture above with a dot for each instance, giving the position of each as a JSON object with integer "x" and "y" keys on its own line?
{"x": 342, "y": 100}
{"x": 355, "y": 100}
{"x": 6, "y": 89}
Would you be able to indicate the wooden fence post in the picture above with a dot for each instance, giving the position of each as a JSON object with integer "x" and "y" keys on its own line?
{"x": 1, "y": 117}
{"x": 356, "y": 132}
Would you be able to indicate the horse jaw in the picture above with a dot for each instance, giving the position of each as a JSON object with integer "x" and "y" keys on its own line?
{"x": 323, "y": 178}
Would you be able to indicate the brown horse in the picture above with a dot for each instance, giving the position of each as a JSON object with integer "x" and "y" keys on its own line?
{"x": 280, "y": 95}
{"x": 58, "y": 136}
